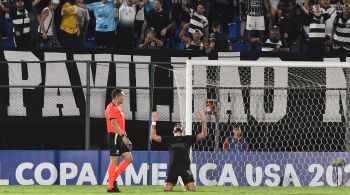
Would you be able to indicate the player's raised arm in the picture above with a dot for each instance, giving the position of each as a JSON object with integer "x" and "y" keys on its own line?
{"x": 204, "y": 132}
{"x": 153, "y": 135}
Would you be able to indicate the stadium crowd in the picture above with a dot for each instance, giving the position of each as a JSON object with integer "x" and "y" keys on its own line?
{"x": 204, "y": 25}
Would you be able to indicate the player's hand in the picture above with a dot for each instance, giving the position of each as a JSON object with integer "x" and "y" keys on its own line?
{"x": 155, "y": 116}
{"x": 201, "y": 116}
{"x": 126, "y": 141}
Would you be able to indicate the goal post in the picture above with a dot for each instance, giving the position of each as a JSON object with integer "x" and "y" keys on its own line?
{"x": 293, "y": 111}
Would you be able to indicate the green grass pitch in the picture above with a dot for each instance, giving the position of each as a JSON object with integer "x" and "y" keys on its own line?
{"x": 144, "y": 190}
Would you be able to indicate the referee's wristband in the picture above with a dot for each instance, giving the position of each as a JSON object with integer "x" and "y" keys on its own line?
{"x": 154, "y": 123}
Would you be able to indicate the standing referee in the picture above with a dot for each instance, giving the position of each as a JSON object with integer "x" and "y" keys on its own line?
{"x": 118, "y": 143}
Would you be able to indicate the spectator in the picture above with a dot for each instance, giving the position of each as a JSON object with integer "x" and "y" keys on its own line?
{"x": 159, "y": 19}
{"x": 177, "y": 13}
{"x": 34, "y": 17}
{"x": 69, "y": 25}
{"x": 242, "y": 5}
{"x": 236, "y": 142}
{"x": 105, "y": 22}
{"x": 194, "y": 42}
{"x": 151, "y": 42}
{"x": 341, "y": 31}
{"x": 198, "y": 20}
{"x": 317, "y": 32}
{"x": 21, "y": 22}
{"x": 274, "y": 43}
{"x": 325, "y": 5}
{"x": 274, "y": 12}
{"x": 218, "y": 40}
{"x": 255, "y": 20}
{"x": 83, "y": 23}
{"x": 46, "y": 23}
{"x": 127, "y": 16}
{"x": 220, "y": 11}
{"x": 139, "y": 19}
{"x": 291, "y": 23}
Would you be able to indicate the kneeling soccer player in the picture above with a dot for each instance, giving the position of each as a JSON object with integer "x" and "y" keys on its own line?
{"x": 179, "y": 152}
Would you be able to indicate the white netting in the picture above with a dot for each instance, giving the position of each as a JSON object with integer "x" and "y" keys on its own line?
{"x": 294, "y": 122}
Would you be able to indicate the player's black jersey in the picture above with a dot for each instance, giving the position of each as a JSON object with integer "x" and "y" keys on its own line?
{"x": 179, "y": 149}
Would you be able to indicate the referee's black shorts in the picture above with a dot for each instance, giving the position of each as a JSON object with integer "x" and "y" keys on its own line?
{"x": 183, "y": 171}
{"x": 115, "y": 145}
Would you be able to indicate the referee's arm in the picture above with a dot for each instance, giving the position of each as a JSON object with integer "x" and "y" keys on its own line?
{"x": 204, "y": 132}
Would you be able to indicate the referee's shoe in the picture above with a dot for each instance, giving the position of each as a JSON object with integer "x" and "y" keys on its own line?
{"x": 115, "y": 189}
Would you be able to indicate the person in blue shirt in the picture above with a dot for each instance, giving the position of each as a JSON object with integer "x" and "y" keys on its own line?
{"x": 104, "y": 12}
{"x": 236, "y": 142}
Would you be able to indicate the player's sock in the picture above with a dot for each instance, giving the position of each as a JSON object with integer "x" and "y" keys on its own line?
{"x": 111, "y": 175}
{"x": 122, "y": 166}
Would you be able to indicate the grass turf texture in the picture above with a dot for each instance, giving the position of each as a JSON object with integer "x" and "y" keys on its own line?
{"x": 130, "y": 190}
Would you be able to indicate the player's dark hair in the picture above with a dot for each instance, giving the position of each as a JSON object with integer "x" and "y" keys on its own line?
{"x": 116, "y": 92}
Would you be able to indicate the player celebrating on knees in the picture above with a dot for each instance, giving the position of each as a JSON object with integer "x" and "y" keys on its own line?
{"x": 118, "y": 143}
{"x": 179, "y": 152}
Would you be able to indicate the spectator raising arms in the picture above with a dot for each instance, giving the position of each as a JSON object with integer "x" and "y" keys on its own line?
{"x": 198, "y": 21}
{"x": 317, "y": 33}
{"x": 105, "y": 23}
{"x": 341, "y": 31}
{"x": 194, "y": 41}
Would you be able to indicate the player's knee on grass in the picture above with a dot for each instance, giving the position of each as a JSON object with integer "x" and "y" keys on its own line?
{"x": 190, "y": 187}
{"x": 168, "y": 187}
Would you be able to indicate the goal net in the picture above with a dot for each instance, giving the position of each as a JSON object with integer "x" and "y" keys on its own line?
{"x": 292, "y": 117}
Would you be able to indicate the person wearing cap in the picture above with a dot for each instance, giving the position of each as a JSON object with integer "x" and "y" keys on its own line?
{"x": 46, "y": 23}
{"x": 21, "y": 22}
{"x": 193, "y": 42}
{"x": 151, "y": 42}
{"x": 179, "y": 151}
{"x": 235, "y": 142}
{"x": 274, "y": 43}
{"x": 317, "y": 32}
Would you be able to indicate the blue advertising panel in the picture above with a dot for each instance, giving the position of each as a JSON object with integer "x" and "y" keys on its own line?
{"x": 21, "y": 167}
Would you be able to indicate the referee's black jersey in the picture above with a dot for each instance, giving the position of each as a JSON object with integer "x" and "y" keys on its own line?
{"x": 179, "y": 149}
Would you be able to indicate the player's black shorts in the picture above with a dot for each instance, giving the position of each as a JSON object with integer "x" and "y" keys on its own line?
{"x": 115, "y": 145}
{"x": 175, "y": 171}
